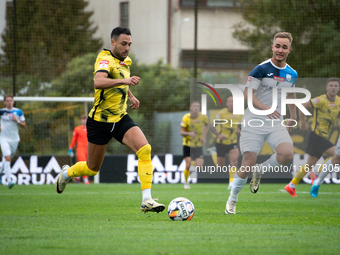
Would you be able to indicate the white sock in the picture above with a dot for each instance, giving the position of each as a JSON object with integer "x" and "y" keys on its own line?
{"x": 324, "y": 172}
{"x": 292, "y": 185}
{"x": 238, "y": 184}
{"x": 7, "y": 169}
{"x": 271, "y": 162}
{"x": 65, "y": 176}
{"x": 146, "y": 194}
{"x": 2, "y": 165}
{"x": 85, "y": 179}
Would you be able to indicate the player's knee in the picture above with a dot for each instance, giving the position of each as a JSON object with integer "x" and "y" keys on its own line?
{"x": 286, "y": 157}
{"x": 144, "y": 153}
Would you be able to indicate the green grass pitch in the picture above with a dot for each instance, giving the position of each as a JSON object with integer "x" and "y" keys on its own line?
{"x": 105, "y": 219}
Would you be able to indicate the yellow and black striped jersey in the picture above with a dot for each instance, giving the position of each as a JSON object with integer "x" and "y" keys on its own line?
{"x": 196, "y": 125}
{"x": 110, "y": 104}
{"x": 325, "y": 114}
{"x": 227, "y": 129}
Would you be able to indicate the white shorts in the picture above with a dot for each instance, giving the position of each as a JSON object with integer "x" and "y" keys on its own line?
{"x": 337, "y": 148}
{"x": 8, "y": 148}
{"x": 253, "y": 140}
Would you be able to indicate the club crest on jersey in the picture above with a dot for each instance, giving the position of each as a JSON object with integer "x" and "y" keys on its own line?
{"x": 288, "y": 77}
{"x": 104, "y": 64}
{"x": 315, "y": 100}
{"x": 278, "y": 78}
{"x": 122, "y": 63}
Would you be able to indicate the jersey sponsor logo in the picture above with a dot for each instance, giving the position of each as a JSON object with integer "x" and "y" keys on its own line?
{"x": 316, "y": 100}
{"x": 278, "y": 78}
{"x": 332, "y": 104}
{"x": 104, "y": 64}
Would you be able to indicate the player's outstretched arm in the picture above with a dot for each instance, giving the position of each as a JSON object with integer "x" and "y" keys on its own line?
{"x": 101, "y": 81}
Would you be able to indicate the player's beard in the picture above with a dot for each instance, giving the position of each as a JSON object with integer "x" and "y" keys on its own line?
{"x": 117, "y": 54}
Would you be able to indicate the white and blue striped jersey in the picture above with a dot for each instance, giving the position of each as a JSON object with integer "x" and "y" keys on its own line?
{"x": 9, "y": 128}
{"x": 263, "y": 78}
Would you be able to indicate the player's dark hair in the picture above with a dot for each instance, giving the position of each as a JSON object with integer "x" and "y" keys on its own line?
{"x": 332, "y": 79}
{"x": 8, "y": 96}
{"x": 116, "y": 32}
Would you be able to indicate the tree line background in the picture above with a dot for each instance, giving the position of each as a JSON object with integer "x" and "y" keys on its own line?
{"x": 56, "y": 50}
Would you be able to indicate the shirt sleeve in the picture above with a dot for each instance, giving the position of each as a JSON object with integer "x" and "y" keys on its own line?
{"x": 317, "y": 102}
{"x": 103, "y": 65}
{"x": 74, "y": 139}
{"x": 21, "y": 115}
{"x": 205, "y": 120}
{"x": 255, "y": 78}
{"x": 183, "y": 122}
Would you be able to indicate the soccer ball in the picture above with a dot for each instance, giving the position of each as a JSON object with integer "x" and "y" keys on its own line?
{"x": 181, "y": 209}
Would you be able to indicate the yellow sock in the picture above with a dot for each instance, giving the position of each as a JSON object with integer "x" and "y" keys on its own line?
{"x": 214, "y": 157}
{"x": 320, "y": 168}
{"x": 232, "y": 173}
{"x": 186, "y": 174}
{"x": 80, "y": 169}
{"x": 303, "y": 170}
{"x": 145, "y": 168}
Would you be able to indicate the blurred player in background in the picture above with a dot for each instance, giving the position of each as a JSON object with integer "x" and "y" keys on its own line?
{"x": 273, "y": 73}
{"x": 226, "y": 139}
{"x": 329, "y": 165}
{"x": 11, "y": 119}
{"x": 194, "y": 129}
{"x": 108, "y": 118}
{"x": 80, "y": 137}
{"x": 326, "y": 110}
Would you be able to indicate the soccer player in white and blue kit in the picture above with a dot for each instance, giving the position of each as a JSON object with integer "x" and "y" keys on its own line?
{"x": 11, "y": 119}
{"x": 264, "y": 79}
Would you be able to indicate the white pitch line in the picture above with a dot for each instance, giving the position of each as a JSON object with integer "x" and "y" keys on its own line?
{"x": 69, "y": 193}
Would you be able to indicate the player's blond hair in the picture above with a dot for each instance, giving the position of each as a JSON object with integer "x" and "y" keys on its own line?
{"x": 284, "y": 35}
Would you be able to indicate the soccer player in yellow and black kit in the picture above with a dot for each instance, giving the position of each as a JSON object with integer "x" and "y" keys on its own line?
{"x": 108, "y": 118}
{"x": 194, "y": 129}
{"x": 326, "y": 110}
{"x": 226, "y": 138}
